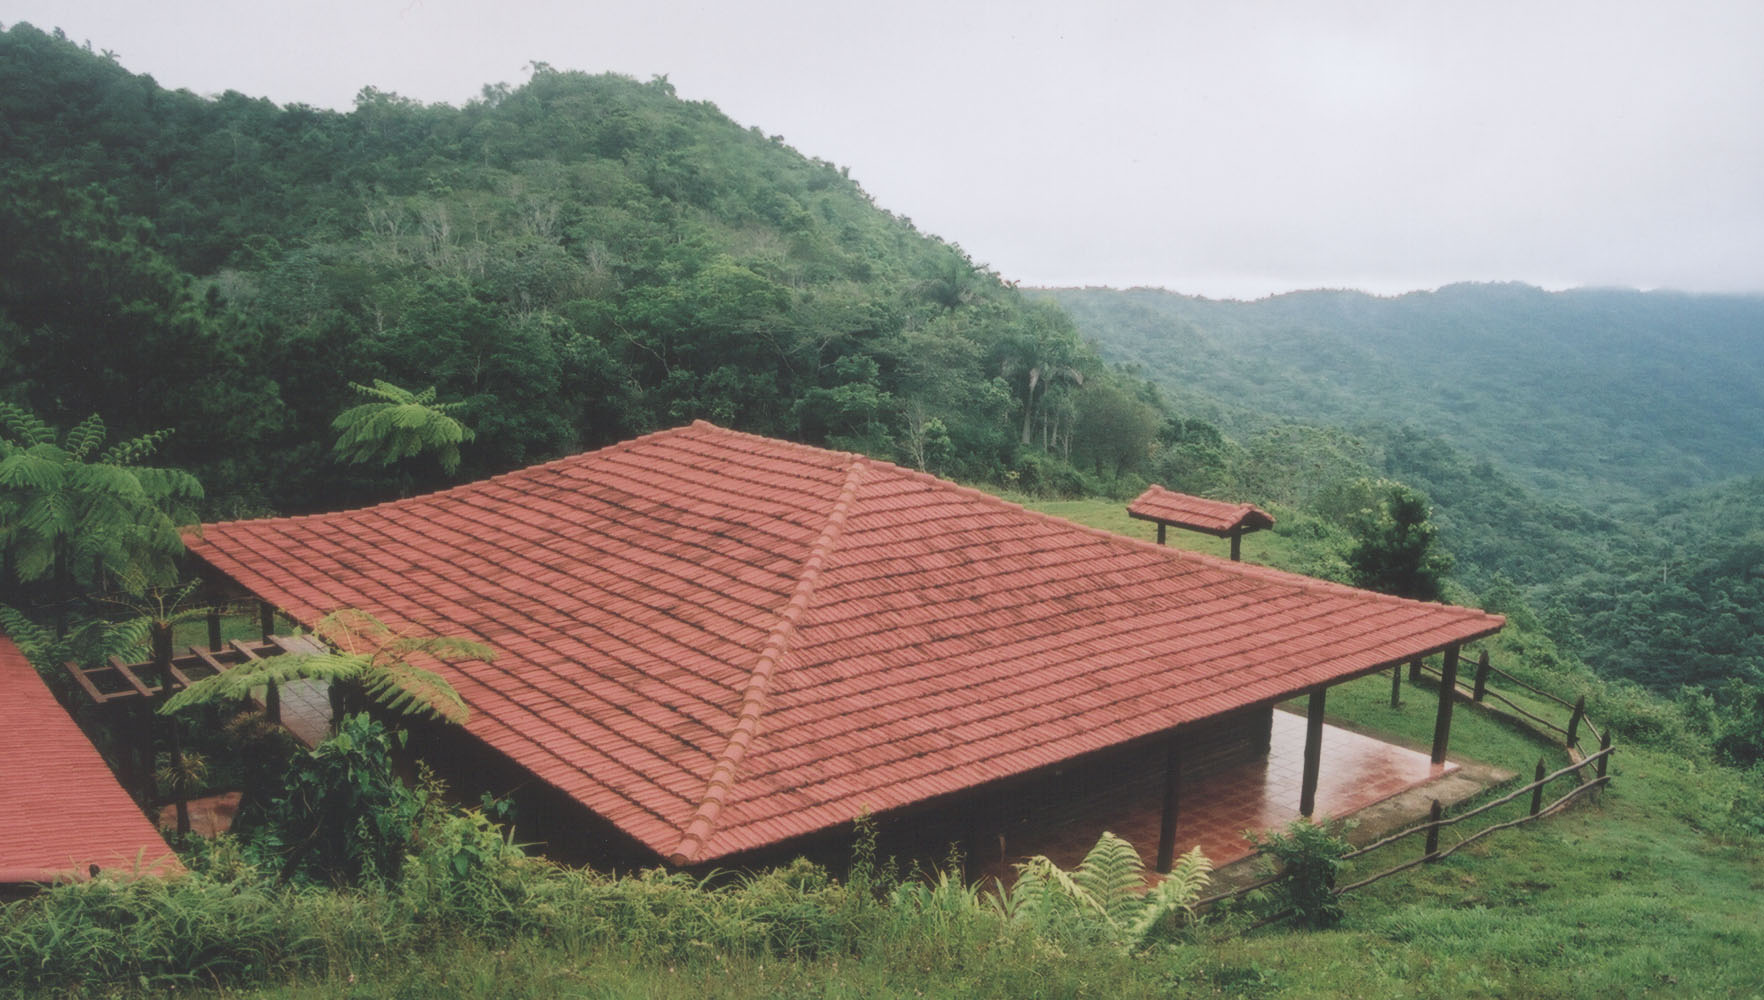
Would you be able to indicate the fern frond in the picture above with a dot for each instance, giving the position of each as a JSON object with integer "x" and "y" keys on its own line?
{"x": 38, "y": 644}
{"x": 238, "y": 682}
{"x": 410, "y": 690}
{"x": 1112, "y": 874}
{"x": 87, "y": 435}
{"x": 1188, "y": 878}
{"x": 23, "y": 426}
{"x": 39, "y": 467}
{"x": 134, "y": 450}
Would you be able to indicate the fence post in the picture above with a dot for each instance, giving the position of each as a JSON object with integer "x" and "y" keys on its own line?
{"x": 1481, "y": 677}
{"x": 1433, "y": 817}
{"x": 1537, "y": 789}
{"x": 1574, "y": 720}
{"x": 1604, "y": 752}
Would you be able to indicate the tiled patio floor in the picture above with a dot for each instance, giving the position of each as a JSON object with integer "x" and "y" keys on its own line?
{"x": 1356, "y": 772}
{"x": 306, "y": 710}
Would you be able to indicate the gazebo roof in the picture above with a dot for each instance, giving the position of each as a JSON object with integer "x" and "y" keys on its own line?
{"x": 64, "y": 809}
{"x": 718, "y": 641}
{"x": 1214, "y": 517}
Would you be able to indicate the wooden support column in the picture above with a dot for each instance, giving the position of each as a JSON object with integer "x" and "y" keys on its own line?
{"x": 1313, "y": 754}
{"x": 1172, "y": 797}
{"x": 266, "y": 617}
{"x": 1396, "y": 685}
{"x": 1448, "y": 686}
{"x": 1161, "y": 529}
{"x": 1481, "y": 687}
{"x": 1415, "y": 669}
{"x": 214, "y": 629}
{"x": 1237, "y": 546}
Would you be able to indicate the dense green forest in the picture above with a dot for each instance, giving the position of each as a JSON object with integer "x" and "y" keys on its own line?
{"x": 576, "y": 260}
{"x": 1593, "y": 455}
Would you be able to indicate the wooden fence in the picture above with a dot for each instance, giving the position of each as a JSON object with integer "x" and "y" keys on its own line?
{"x": 1568, "y": 736}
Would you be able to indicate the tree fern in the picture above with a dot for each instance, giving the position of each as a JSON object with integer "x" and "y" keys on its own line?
{"x": 68, "y": 505}
{"x": 367, "y": 655}
{"x": 397, "y": 423}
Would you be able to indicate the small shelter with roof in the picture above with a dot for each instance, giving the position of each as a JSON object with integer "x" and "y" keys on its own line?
{"x": 717, "y": 648}
{"x": 1168, "y": 508}
{"x": 66, "y": 815}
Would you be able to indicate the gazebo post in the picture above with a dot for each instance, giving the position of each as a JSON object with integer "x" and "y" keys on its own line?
{"x": 1396, "y": 685}
{"x": 1237, "y": 545}
{"x": 1172, "y": 796}
{"x": 1313, "y": 754}
{"x": 1448, "y": 685}
{"x": 1162, "y": 527}
{"x": 266, "y": 617}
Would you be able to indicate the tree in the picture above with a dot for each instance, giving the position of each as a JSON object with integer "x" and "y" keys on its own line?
{"x": 1394, "y": 551}
{"x": 66, "y": 506}
{"x": 397, "y": 423}
{"x": 368, "y": 661}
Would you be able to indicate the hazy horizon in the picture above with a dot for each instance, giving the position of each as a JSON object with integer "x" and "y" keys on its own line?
{"x": 1233, "y": 152}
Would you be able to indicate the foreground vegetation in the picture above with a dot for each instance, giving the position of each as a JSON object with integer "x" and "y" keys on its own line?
{"x": 1651, "y": 891}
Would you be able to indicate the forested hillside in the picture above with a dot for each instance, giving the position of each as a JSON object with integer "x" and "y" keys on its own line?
{"x": 1594, "y": 396}
{"x": 576, "y": 260}
{"x": 1593, "y": 455}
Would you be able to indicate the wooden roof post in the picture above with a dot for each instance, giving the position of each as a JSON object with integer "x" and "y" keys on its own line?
{"x": 1237, "y": 544}
{"x": 1396, "y": 685}
{"x": 1172, "y": 797}
{"x": 1162, "y": 527}
{"x": 1448, "y": 687}
{"x": 266, "y": 616}
{"x": 1313, "y": 754}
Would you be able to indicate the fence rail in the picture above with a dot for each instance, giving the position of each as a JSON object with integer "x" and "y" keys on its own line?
{"x": 1480, "y": 695}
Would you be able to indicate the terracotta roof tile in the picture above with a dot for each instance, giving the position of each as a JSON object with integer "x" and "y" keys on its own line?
{"x": 64, "y": 809}
{"x": 719, "y": 641}
{"x": 1215, "y": 517}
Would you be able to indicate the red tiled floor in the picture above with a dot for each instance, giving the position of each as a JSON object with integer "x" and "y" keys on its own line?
{"x": 1356, "y": 772}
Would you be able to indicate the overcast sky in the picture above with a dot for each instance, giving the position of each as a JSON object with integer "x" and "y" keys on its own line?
{"x": 1231, "y": 149}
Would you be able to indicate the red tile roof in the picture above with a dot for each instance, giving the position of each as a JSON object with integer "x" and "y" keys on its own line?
{"x": 63, "y": 809}
{"x": 1215, "y": 517}
{"x": 719, "y": 641}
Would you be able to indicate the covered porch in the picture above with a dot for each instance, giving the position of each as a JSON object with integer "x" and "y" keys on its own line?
{"x": 1217, "y": 807}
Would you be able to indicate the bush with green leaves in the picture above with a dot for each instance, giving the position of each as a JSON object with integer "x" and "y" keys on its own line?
{"x": 1309, "y": 857}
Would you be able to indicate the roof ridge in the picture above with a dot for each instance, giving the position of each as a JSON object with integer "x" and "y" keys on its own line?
{"x": 704, "y": 820}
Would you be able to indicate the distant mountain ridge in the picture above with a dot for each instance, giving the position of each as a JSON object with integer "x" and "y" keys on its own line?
{"x": 1599, "y": 395}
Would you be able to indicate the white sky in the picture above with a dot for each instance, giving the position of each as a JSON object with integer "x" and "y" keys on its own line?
{"x": 1231, "y": 149}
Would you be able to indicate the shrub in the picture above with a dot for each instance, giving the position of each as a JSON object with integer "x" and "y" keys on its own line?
{"x": 1309, "y": 856}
